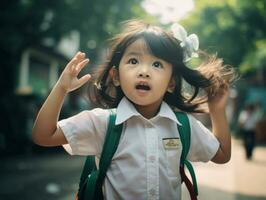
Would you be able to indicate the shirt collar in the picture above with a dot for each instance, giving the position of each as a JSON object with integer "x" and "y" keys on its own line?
{"x": 167, "y": 112}
{"x": 126, "y": 110}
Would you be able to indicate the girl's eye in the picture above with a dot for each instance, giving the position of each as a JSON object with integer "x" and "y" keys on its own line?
{"x": 157, "y": 64}
{"x": 132, "y": 61}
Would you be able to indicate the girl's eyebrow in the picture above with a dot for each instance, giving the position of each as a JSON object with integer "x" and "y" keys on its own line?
{"x": 133, "y": 53}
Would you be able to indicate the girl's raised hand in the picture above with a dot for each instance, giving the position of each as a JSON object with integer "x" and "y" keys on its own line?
{"x": 217, "y": 102}
{"x": 68, "y": 80}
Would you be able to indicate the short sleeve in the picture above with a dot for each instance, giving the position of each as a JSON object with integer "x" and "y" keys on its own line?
{"x": 204, "y": 144}
{"x": 85, "y": 132}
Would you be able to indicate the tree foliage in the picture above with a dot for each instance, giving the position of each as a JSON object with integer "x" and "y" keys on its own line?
{"x": 26, "y": 23}
{"x": 233, "y": 28}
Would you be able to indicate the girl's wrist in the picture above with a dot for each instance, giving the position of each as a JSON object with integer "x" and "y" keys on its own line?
{"x": 216, "y": 110}
{"x": 217, "y": 115}
{"x": 60, "y": 89}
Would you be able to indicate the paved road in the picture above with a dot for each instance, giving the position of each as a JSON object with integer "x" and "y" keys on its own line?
{"x": 55, "y": 177}
{"x": 240, "y": 179}
{"x": 42, "y": 177}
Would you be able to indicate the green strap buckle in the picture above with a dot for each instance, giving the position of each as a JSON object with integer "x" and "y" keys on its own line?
{"x": 91, "y": 185}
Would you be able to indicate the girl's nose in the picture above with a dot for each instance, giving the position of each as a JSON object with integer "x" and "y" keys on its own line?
{"x": 143, "y": 75}
{"x": 144, "y": 72}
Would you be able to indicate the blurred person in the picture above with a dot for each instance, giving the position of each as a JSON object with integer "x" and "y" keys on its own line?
{"x": 143, "y": 79}
{"x": 247, "y": 122}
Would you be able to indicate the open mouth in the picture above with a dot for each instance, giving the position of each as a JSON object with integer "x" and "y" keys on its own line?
{"x": 143, "y": 86}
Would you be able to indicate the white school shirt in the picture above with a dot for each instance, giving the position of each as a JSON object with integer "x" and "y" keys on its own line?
{"x": 141, "y": 167}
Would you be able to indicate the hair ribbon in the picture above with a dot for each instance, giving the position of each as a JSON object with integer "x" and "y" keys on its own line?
{"x": 190, "y": 44}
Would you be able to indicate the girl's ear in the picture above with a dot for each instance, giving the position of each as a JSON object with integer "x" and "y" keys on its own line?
{"x": 114, "y": 75}
{"x": 171, "y": 85}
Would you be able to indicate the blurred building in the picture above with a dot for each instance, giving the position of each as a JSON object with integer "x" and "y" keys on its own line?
{"x": 39, "y": 69}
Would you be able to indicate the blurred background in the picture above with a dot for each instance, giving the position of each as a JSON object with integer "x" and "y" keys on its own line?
{"x": 38, "y": 38}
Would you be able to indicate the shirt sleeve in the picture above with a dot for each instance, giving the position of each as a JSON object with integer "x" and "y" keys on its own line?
{"x": 204, "y": 144}
{"x": 85, "y": 132}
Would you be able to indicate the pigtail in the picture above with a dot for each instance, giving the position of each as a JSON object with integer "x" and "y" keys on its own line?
{"x": 101, "y": 90}
{"x": 196, "y": 79}
{"x": 205, "y": 81}
{"x": 217, "y": 73}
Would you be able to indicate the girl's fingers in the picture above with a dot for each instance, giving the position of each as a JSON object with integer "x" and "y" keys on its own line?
{"x": 80, "y": 66}
{"x": 80, "y": 57}
{"x": 75, "y": 60}
{"x": 83, "y": 79}
{"x": 72, "y": 63}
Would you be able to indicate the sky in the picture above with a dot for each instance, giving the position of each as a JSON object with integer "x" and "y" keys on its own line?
{"x": 169, "y": 11}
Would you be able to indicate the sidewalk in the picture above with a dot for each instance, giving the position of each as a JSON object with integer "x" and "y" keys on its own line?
{"x": 240, "y": 179}
{"x": 55, "y": 177}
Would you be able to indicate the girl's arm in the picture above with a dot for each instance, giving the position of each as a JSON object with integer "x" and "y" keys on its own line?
{"x": 220, "y": 126}
{"x": 45, "y": 130}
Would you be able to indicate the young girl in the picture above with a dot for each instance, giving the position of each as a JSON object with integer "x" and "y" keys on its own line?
{"x": 144, "y": 80}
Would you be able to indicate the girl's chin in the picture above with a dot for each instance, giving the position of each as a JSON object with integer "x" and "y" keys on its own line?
{"x": 144, "y": 101}
{"x": 143, "y": 104}
{"x": 140, "y": 101}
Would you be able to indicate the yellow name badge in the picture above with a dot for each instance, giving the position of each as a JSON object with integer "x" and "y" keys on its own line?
{"x": 171, "y": 143}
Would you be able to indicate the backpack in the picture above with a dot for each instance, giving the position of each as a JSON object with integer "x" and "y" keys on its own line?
{"x": 91, "y": 179}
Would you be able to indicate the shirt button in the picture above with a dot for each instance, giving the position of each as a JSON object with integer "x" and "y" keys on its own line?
{"x": 148, "y": 125}
{"x": 152, "y": 158}
{"x": 152, "y": 192}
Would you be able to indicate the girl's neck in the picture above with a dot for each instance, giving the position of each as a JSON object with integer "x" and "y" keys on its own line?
{"x": 148, "y": 111}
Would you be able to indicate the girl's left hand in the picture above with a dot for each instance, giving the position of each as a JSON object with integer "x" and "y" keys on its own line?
{"x": 217, "y": 101}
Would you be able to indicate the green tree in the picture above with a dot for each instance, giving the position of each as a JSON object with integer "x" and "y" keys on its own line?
{"x": 233, "y": 28}
{"x": 28, "y": 23}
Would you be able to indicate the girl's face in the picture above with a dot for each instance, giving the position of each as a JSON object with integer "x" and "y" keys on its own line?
{"x": 144, "y": 78}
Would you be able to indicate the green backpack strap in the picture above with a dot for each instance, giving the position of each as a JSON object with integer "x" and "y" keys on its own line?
{"x": 110, "y": 145}
{"x": 91, "y": 188}
{"x": 185, "y": 136}
{"x": 88, "y": 167}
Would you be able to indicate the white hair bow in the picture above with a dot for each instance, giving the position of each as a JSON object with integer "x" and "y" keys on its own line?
{"x": 190, "y": 44}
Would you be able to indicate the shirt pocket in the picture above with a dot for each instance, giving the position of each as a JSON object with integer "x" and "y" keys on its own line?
{"x": 173, "y": 154}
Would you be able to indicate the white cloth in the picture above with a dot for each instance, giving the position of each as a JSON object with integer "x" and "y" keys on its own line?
{"x": 141, "y": 167}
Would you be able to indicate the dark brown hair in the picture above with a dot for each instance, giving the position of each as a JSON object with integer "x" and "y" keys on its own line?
{"x": 207, "y": 77}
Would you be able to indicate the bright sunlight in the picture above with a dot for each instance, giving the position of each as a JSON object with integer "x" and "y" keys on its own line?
{"x": 168, "y": 10}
